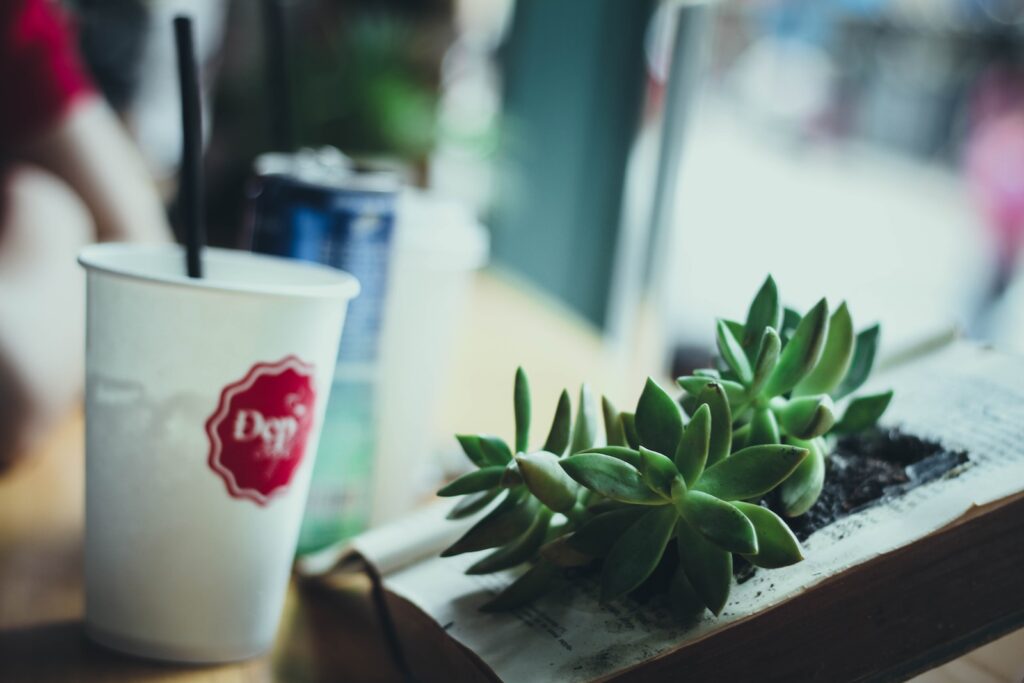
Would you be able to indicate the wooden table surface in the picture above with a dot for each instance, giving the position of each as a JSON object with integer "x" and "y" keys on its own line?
{"x": 323, "y": 637}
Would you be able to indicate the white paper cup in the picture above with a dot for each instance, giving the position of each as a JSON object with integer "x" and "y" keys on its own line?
{"x": 204, "y": 401}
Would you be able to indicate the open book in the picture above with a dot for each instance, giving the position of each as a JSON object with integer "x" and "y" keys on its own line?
{"x": 967, "y": 398}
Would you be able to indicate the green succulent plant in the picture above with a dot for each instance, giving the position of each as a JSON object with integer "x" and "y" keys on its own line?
{"x": 521, "y": 521}
{"x": 664, "y": 491}
{"x": 681, "y": 481}
{"x": 782, "y": 374}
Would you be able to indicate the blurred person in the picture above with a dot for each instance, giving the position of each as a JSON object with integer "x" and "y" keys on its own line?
{"x": 69, "y": 175}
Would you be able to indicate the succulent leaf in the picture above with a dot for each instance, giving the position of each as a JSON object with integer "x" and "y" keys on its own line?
{"x": 682, "y": 597}
{"x": 611, "y": 478}
{"x": 713, "y": 396}
{"x": 694, "y": 384}
{"x": 776, "y": 545}
{"x": 764, "y": 312}
{"x": 471, "y": 447}
{"x": 561, "y": 426}
{"x": 732, "y": 352}
{"x": 511, "y": 477}
{"x": 806, "y": 417}
{"x": 584, "y": 432}
{"x": 864, "y": 350}
{"x": 546, "y": 480}
{"x": 835, "y": 356}
{"x": 765, "y": 361}
{"x": 692, "y": 454}
{"x": 596, "y": 536}
{"x": 507, "y": 521}
{"x": 495, "y": 450}
{"x": 863, "y": 412}
{"x": 472, "y": 503}
{"x": 801, "y": 353}
{"x": 658, "y": 419}
{"x": 790, "y": 321}
{"x": 719, "y": 522}
{"x": 708, "y": 567}
{"x": 535, "y": 582}
{"x": 658, "y": 471}
{"x": 628, "y": 421}
{"x": 637, "y": 552}
{"x": 764, "y": 428}
{"x": 628, "y": 455}
{"x": 751, "y": 472}
{"x": 801, "y": 490}
{"x": 614, "y": 434}
{"x": 472, "y": 482}
{"x": 517, "y": 551}
{"x": 521, "y": 403}
{"x": 710, "y": 373}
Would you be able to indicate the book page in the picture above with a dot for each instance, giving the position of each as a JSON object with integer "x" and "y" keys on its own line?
{"x": 964, "y": 397}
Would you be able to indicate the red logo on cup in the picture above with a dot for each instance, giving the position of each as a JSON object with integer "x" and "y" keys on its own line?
{"x": 258, "y": 432}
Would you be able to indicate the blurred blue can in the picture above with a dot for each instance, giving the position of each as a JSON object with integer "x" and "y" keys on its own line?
{"x": 313, "y": 205}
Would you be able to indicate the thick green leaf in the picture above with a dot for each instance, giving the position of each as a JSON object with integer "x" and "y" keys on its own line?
{"x": 764, "y": 312}
{"x": 863, "y": 412}
{"x": 732, "y": 352}
{"x": 740, "y": 436}
{"x": 713, "y": 396}
{"x": 864, "y": 350}
{"x": 506, "y": 522}
{"x": 708, "y": 567}
{"x": 584, "y": 432}
{"x": 628, "y": 421}
{"x": 472, "y": 503}
{"x": 614, "y": 434}
{"x": 561, "y": 553}
{"x": 521, "y": 403}
{"x": 694, "y": 384}
{"x": 801, "y": 353}
{"x": 610, "y": 477}
{"x": 478, "y": 480}
{"x": 776, "y": 545}
{"x": 764, "y": 428}
{"x": 692, "y": 454}
{"x": 801, "y": 490}
{"x": 751, "y": 472}
{"x": 835, "y": 356}
{"x": 790, "y": 321}
{"x": 683, "y": 598}
{"x": 471, "y": 447}
{"x": 658, "y": 471}
{"x": 546, "y": 479}
{"x": 495, "y": 450}
{"x": 540, "y": 579}
{"x": 637, "y": 552}
{"x": 629, "y": 455}
{"x": 719, "y": 522}
{"x": 658, "y": 419}
{"x": 511, "y": 477}
{"x": 596, "y": 536}
{"x": 806, "y": 417}
{"x": 561, "y": 426}
{"x": 518, "y": 551}
{"x": 765, "y": 361}
{"x": 710, "y": 373}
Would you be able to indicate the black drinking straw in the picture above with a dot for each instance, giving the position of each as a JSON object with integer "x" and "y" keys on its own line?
{"x": 275, "y": 71}
{"x": 190, "y": 189}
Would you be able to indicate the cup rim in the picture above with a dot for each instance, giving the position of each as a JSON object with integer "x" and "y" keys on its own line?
{"x": 311, "y": 280}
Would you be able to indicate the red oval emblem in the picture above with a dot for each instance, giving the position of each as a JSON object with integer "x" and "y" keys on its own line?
{"x": 259, "y": 430}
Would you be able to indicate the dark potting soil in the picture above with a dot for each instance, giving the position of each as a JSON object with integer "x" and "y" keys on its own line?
{"x": 868, "y": 468}
{"x": 864, "y": 470}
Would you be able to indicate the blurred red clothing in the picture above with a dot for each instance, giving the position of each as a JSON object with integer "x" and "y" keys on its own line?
{"x": 41, "y": 74}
